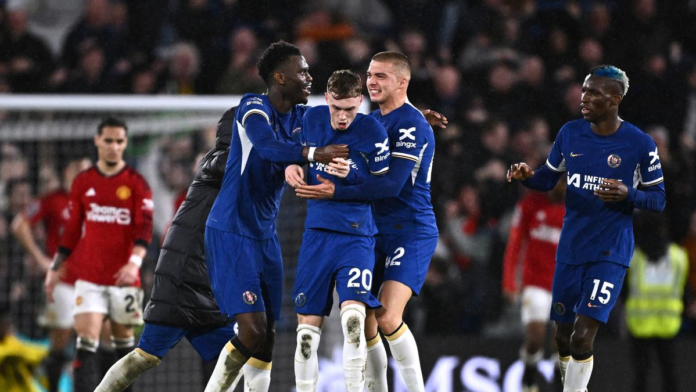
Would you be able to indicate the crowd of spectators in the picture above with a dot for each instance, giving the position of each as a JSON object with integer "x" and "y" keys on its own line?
{"x": 507, "y": 74}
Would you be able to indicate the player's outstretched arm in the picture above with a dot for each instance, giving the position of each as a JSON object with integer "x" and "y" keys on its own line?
{"x": 543, "y": 179}
{"x": 263, "y": 139}
{"x": 372, "y": 187}
{"x": 325, "y": 154}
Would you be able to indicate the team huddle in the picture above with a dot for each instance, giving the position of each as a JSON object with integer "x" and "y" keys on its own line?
{"x": 370, "y": 232}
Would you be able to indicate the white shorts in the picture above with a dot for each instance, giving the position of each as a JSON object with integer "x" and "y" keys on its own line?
{"x": 59, "y": 313}
{"x": 536, "y": 304}
{"x": 123, "y": 305}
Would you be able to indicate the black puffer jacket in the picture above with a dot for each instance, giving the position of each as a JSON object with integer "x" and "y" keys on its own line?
{"x": 181, "y": 295}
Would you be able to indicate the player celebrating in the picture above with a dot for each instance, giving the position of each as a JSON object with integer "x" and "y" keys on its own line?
{"x": 114, "y": 204}
{"x": 404, "y": 217}
{"x": 52, "y": 210}
{"x": 182, "y": 303}
{"x": 536, "y": 227}
{"x": 242, "y": 250}
{"x": 605, "y": 160}
{"x": 337, "y": 245}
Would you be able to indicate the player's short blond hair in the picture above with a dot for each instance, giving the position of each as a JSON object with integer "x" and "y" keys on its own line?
{"x": 401, "y": 63}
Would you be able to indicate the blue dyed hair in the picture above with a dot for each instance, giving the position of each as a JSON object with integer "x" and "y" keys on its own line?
{"x": 613, "y": 73}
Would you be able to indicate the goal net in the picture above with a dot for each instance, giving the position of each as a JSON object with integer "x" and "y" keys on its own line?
{"x": 39, "y": 134}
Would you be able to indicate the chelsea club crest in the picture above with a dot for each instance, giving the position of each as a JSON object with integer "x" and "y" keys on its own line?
{"x": 614, "y": 161}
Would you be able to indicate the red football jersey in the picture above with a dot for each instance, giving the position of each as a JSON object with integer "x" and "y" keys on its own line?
{"x": 537, "y": 223}
{"x": 52, "y": 210}
{"x": 116, "y": 212}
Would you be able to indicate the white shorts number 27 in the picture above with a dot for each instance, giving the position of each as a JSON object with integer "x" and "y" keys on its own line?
{"x": 123, "y": 305}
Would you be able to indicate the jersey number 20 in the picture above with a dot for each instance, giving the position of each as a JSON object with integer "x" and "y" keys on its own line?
{"x": 355, "y": 274}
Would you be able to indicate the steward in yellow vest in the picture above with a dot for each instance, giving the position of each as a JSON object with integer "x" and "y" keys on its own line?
{"x": 654, "y": 304}
{"x": 656, "y": 289}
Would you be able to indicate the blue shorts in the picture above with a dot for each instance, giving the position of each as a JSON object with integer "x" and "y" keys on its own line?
{"x": 404, "y": 258}
{"x": 246, "y": 274}
{"x": 589, "y": 289}
{"x": 329, "y": 258}
{"x": 157, "y": 340}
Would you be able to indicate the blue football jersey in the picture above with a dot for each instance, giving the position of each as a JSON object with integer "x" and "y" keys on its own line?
{"x": 594, "y": 230}
{"x": 252, "y": 187}
{"x": 410, "y": 137}
{"x": 369, "y": 155}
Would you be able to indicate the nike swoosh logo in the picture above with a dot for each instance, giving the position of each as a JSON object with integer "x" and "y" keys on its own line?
{"x": 575, "y": 155}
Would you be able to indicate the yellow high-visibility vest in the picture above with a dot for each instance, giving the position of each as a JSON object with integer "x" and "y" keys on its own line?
{"x": 655, "y": 301}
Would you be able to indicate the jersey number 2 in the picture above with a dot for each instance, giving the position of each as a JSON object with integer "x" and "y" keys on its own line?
{"x": 605, "y": 291}
{"x": 366, "y": 278}
{"x": 391, "y": 261}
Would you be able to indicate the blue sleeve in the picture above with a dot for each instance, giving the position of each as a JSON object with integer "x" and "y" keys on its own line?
{"x": 262, "y": 137}
{"x": 651, "y": 198}
{"x": 377, "y": 149}
{"x": 378, "y": 187}
{"x": 544, "y": 179}
{"x": 650, "y": 166}
{"x": 556, "y": 159}
{"x": 353, "y": 178}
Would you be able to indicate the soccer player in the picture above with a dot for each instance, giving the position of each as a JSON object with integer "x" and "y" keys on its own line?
{"x": 111, "y": 219}
{"x": 242, "y": 250}
{"x": 536, "y": 227}
{"x": 611, "y": 167}
{"x": 337, "y": 245}
{"x": 182, "y": 303}
{"x": 404, "y": 217}
{"x": 52, "y": 210}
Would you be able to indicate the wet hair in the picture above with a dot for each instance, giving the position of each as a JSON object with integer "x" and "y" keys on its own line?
{"x": 111, "y": 122}
{"x": 344, "y": 84}
{"x": 399, "y": 60}
{"x": 614, "y": 73}
{"x": 274, "y": 57}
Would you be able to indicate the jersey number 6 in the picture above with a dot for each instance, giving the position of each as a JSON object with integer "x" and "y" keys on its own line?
{"x": 366, "y": 278}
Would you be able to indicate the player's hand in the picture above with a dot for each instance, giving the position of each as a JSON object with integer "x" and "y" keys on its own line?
{"x": 327, "y": 154}
{"x": 435, "y": 119}
{"x": 519, "y": 171}
{"x": 325, "y": 190}
{"x": 339, "y": 167}
{"x": 612, "y": 190}
{"x": 127, "y": 275}
{"x": 52, "y": 278}
{"x": 294, "y": 176}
